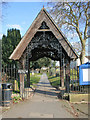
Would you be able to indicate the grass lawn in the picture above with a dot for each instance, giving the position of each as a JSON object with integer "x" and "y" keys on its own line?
{"x": 34, "y": 79}
{"x": 54, "y": 81}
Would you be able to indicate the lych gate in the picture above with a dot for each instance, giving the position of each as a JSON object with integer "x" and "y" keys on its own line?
{"x": 44, "y": 39}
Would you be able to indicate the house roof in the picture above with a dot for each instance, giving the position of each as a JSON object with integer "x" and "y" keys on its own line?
{"x": 43, "y": 16}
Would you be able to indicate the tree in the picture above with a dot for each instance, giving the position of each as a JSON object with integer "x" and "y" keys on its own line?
{"x": 54, "y": 64}
{"x": 9, "y": 43}
{"x": 77, "y": 47}
{"x": 73, "y": 16}
{"x": 40, "y": 63}
{"x": 44, "y": 62}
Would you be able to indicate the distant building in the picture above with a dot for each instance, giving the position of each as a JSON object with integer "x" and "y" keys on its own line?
{"x": 57, "y": 63}
{"x": 88, "y": 58}
{"x": 76, "y": 63}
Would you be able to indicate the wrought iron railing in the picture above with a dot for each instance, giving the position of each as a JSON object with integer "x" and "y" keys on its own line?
{"x": 10, "y": 75}
{"x": 75, "y": 87}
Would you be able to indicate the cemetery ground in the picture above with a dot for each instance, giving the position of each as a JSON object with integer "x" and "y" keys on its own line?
{"x": 73, "y": 110}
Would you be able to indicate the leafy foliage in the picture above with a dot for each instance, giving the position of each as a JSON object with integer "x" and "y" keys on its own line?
{"x": 40, "y": 63}
{"x": 9, "y": 43}
{"x": 16, "y": 99}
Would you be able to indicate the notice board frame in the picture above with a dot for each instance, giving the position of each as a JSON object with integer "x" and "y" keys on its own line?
{"x": 81, "y": 69}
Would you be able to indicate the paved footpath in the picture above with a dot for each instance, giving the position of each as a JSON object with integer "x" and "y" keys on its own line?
{"x": 44, "y": 104}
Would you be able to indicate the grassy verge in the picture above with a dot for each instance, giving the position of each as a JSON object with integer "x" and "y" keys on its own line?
{"x": 54, "y": 81}
{"x": 34, "y": 79}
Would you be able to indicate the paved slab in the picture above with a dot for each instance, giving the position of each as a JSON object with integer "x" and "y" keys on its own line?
{"x": 44, "y": 104}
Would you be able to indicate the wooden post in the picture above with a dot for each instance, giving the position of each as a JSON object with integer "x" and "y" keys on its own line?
{"x": 21, "y": 83}
{"x": 68, "y": 77}
{"x": 21, "y": 75}
{"x": 28, "y": 75}
{"x": 61, "y": 74}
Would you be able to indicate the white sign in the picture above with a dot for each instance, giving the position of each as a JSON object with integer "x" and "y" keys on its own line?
{"x": 23, "y": 71}
{"x": 86, "y": 73}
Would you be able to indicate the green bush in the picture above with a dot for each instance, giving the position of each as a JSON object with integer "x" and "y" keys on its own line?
{"x": 16, "y": 99}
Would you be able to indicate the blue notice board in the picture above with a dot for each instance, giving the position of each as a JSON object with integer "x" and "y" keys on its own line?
{"x": 84, "y": 74}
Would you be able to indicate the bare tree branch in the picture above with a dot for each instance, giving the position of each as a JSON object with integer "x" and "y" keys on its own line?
{"x": 75, "y": 16}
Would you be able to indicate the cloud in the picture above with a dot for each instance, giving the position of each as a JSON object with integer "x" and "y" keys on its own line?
{"x": 15, "y": 26}
{"x": 1, "y": 35}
